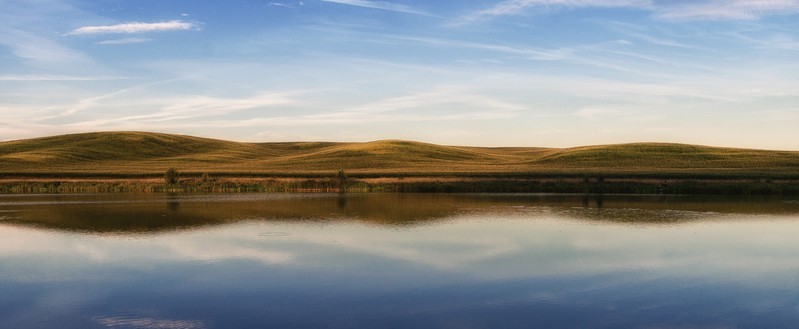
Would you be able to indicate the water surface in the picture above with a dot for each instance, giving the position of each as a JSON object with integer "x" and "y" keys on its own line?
{"x": 397, "y": 260}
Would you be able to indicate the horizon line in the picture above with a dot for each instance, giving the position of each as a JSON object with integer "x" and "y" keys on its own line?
{"x": 385, "y": 140}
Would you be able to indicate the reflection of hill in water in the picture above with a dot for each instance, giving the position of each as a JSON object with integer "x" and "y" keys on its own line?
{"x": 152, "y": 213}
{"x": 158, "y": 213}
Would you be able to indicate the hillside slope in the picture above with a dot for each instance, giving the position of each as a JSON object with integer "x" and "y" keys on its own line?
{"x": 136, "y": 153}
{"x": 122, "y": 146}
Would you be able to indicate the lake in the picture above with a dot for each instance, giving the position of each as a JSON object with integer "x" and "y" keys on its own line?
{"x": 397, "y": 261}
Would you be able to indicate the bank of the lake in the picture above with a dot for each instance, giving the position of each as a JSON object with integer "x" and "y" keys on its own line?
{"x": 586, "y": 184}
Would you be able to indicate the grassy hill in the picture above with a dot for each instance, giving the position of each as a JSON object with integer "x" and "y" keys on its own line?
{"x": 140, "y": 153}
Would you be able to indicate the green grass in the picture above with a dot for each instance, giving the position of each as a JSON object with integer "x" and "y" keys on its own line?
{"x": 118, "y": 154}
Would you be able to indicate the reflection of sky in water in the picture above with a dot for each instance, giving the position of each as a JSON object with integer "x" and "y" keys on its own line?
{"x": 485, "y": 266}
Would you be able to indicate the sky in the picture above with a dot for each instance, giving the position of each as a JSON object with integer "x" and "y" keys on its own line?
{"x": 554, "y": 73}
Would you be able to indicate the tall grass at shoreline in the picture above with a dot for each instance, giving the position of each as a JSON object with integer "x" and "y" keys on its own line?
{"x": 594, "y": 185}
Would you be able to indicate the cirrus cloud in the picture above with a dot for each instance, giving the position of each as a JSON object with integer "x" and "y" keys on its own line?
{"x": 667, "y": 10}
{"x": 728, "y": 9}
{"x": 134, "y": 27}
{"x": 124, "y": 41}
{"x": 515, "y": 7}
{"x": 381, "y": 5}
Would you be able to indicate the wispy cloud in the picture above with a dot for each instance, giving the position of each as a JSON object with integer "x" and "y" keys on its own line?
{"x": 88, "y": 103}
{"x": 441, "y": 96}
{"x": 421, "y": 107}
{"x": 26, "y": 30}
{"x": 47, "y": 77}
{"x": 285, "y": 5}
{"x": 779, "y": 115}
{"x": 727, "y": 9}
{"x": 40, "y": 51}
{"x": 668, "y": 10}
{"x": 182, "y": 108}
{"x": 516, "y": 7}
{"x": 200, "y": 106}
{"x": 607, "y": 55}
{"x": 135, "y": 27}
{"x": 525, "y": 52}
{"x": 623, "y": 113}
{"x": 382, "y": 5}
{"x": 596, "y": 112}
{"x": 531, "y": 53}
{"x": 645, "y": 34}
{"x": 124, "y": 41}
{"x": 442, "y": 104}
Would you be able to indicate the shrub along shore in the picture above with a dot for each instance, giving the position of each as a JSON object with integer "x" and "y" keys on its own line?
{"x": 204, "y": 183}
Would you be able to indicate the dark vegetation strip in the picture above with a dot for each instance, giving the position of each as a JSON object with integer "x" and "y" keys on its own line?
{"x": 489, "y": 175}
{"x": 619, "y": 187}
{"x": 586, "y": 185}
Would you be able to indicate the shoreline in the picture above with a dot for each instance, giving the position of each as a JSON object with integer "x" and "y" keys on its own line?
{"x": 416, "y": 184}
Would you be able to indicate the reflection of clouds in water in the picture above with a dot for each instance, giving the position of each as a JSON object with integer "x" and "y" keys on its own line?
{"x": 148, "y": 323}
{"x": 453, "y": 246}
{"x": 512, "y": 245}
{"x": 443, "y": 253}
{"x": 219, "y": 251}
{"x": 633, "y": 261}
{"x": 730, "y": 249}
{"x": 54, "y": 256}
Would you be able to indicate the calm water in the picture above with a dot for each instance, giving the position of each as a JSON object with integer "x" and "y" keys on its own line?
{"x": 397, "y": 261}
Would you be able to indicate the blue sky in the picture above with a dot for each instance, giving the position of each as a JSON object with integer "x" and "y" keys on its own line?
{"x": 472, "y": 72}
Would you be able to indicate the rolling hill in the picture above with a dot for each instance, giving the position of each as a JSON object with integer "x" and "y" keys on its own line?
{"x": 141, "y": 153}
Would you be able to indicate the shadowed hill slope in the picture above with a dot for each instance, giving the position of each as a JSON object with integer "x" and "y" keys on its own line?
{"x": 137, "y": 153}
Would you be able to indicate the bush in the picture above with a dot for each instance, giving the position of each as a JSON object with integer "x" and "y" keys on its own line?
{"x": 341, "y": 180}
{"x": 171, "y": 176}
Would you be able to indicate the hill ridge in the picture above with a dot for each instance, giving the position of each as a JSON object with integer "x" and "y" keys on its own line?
{"x": 133, "y": 152}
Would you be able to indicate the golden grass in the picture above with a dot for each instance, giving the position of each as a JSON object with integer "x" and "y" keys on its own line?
{"x": 126, "y": 153}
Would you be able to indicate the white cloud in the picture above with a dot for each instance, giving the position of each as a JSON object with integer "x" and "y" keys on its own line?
{"x": 645, "y": 33}
{"x": 40, "y": 51}
{"x": 48, "y": 77}
{"x": 135, "y": 27}
{"x": 443, "y": 104}
{"x": 176, "y": 109}
{"x": 525, "y": 52}
{"x": 124, "y": 41}
{"x": 669, "y": 10}
{"x": 594, "y": 112}
{"x": 728, "y": 9}
{"x": 382, "y": 5}
{"x": 82, "y": 105}
{"x": 283, "y": 5}
{"x": 516, "y": 7}
{"x": 199, "y": 106}
{"x": 780, "y": 115}
{"x": 26, "y": 29}
{"x": 465, "y": 97}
